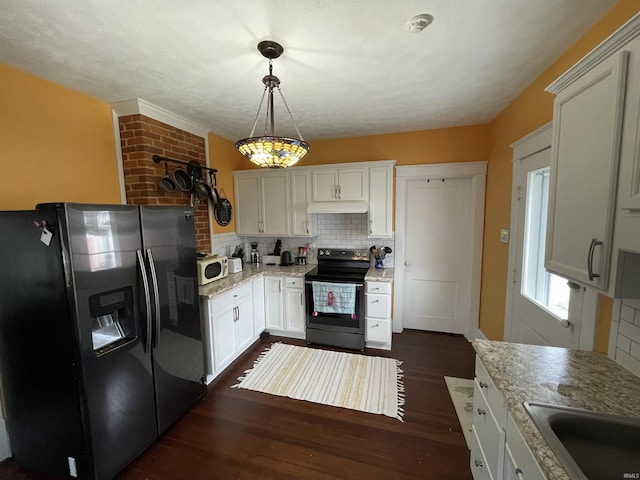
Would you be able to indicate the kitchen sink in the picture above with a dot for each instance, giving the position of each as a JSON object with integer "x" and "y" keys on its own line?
{"x": 590, "y": 445}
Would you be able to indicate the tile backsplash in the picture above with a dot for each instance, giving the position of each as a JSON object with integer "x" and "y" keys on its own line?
{"x": 624, "y": 344}
{"x": 335, "y": 230}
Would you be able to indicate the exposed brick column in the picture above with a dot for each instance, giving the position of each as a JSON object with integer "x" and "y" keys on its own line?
{"x": 141, "y": 137}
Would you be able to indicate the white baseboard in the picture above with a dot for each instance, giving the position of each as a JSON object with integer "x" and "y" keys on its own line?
{"x": 476, "y": 335}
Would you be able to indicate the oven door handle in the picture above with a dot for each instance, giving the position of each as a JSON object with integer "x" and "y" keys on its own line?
{"x": 309, "y": 282}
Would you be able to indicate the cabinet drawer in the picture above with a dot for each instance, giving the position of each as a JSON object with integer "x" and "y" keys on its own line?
{"x": 521, "y": 455}
{"x": 477, "y": 461}
{"x": 219, "y": 302}
{"x": 378, "y": 306}
{"x": 294, "y": 282}
{"x": 242, "y": 291}
{"x": 378, "y": 287}
{"x": 491, "y": 393}
{"x": 378, "y": 330}
{"x": 490, "y": 435}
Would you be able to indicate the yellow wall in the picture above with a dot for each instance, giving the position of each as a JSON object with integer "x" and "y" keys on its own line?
{"x": 55, "y": 144}
{"x": 460, "y": 144}
{"x": 224, "y": 157}
{"x": 530, "y": 110}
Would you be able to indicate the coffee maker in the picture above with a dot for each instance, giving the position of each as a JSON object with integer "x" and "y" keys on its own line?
{"x": 254, "y": 255}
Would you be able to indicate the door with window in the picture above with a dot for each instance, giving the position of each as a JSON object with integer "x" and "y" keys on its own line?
{"x": 542, "y": 308}
{"x": 540, "y": 300}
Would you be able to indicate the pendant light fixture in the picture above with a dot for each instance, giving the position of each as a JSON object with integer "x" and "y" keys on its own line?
{"x": 269, "y": 150}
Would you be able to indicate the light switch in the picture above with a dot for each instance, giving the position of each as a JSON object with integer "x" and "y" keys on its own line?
{"x": 504, "y": 235}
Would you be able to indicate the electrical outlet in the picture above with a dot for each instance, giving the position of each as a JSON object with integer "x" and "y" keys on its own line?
{"x": 504, "y": 235}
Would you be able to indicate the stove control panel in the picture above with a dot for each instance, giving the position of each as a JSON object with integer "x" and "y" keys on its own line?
{"x": 346, "y": 254}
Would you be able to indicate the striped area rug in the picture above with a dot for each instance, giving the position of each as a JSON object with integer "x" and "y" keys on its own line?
{"x": 340, "y": 379}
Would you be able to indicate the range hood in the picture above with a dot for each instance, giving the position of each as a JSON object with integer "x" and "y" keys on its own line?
{"x": 344, "y": 206}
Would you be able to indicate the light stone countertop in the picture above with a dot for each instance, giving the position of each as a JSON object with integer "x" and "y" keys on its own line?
{"x": 249, "y": 272}
{"x": 560, "y": 376}
{"x": 379, "y": 275}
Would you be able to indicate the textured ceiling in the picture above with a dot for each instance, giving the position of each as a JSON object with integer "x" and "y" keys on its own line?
{"x": 349, "y": 68}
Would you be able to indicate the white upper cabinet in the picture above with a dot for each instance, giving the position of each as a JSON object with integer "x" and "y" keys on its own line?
{"x": 275, "y": 203}
{"x": 587, "y": 127}
{"x": 629, "y": 186}
{"x": 332, "y": 184}
{"x": 247, "y": 196}
{"x": 262, "y": 203}
{"x": 380, "y": 202}
{"x": 286, "y": 202}
{"x": 303, "y": 224}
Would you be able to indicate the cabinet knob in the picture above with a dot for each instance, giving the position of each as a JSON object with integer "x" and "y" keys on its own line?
{"x": 478, "y": 463}
{"x": 481, "y": 412}
{"x": 483, "y": 385}
{"x": 376, "y": 301}
{"x": 519, "y": 473}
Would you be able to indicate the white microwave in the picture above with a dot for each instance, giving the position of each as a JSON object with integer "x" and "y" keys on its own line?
{"x": 212, "y": 268}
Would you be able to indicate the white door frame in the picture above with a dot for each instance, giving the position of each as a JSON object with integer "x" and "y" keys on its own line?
{"x": 477, "y": 173}
{"x": 534, "y": 142}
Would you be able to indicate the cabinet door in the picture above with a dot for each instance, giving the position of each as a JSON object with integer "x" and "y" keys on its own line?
{"x": 353, "y": 184}
{"x": 244, "y": 322}
{"x": 519, "y": 461}
{"x": 380, "y": 201}
{"x": 324, "y": 185}
{"x": 378, "y": 306}
{"x": 206, "y": 312}
{"x": 223, "y": 328}
{"x": 273, "y": 301}
{"x": 378, "y": 330}
{"x": 587, "y": 125}
{"x": 275, "y": 204}
{"x": 258, "y": 306}
{"x": 294, "y": 315}
{"x": 247, "y": 207}
{"x": 302, "y": 224}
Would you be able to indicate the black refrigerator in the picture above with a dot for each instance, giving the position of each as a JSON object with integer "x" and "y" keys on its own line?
{"x": 100, "y": 336}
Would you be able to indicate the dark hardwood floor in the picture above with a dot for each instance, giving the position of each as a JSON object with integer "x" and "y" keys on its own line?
{"x": 240, "y": 434}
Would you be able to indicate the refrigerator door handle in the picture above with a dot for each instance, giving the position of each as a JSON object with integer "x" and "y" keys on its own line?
{"x": 156, "y": 296}
{"x": 147, "y": 300}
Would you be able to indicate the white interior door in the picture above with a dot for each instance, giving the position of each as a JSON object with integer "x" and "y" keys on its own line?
{"x": 436, "y": 254}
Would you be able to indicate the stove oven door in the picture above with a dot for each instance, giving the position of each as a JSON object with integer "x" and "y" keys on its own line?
{"x": 330, "y": 321}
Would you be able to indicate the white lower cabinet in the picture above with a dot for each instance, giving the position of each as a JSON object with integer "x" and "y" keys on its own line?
{"x": 498, "y": 450}
{"x": 489, "y": 432}
{"x": 274, "y": 303}
{"x": 378, "y": 315}
{"x": 294, "y": 314}
{"x": 229, "y": 328}
{"x": 478, "y": 461}
{"x": 519, "y": 463}
{"x": 259, "y": 317}
{"x": 285, "y": 306}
